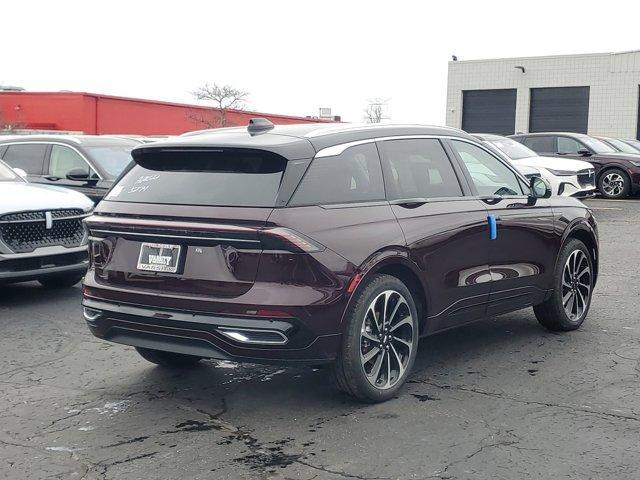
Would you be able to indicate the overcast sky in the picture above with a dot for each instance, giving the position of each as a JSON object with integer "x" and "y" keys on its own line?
{"x": 293, "y": 56}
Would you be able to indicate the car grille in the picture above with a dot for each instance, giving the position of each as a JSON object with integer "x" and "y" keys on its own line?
{"x": 25, "y": 231}
{"x": 587, "y": 178}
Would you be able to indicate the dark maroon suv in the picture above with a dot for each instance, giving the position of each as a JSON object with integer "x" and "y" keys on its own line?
{"x": 331, "y": 244}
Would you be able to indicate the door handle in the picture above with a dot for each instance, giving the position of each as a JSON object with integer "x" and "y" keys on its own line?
{"x": 52, "y": 178}
{"x": 492, "y": 221}
{"x": 409, "y": 202}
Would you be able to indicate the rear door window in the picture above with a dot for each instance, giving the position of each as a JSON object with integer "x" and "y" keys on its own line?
{"x": 29, "y": 157}
{"x": 353, "y": 176}
{"x": 418, "y": 168}
{"x": 211, "y": 177}
{"x": 540, "y": 144}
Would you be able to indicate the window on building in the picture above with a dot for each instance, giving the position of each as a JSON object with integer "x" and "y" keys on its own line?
{"x": 353, "y": 176}
{"x": 490, "y": 176}
{"x": 418, "y": 168}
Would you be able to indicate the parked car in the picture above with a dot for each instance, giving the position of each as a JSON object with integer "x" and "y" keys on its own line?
{"x": 619, "y": 145}
{"x": 572, "y": 178}
{"x": 335, "y": 244}
{"x": 88, "y": 164}
{"x": 42, "y": 236}
{"x": 634, "y": 143}
{"x": 617, "y": 174}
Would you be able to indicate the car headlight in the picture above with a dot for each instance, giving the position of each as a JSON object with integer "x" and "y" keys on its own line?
{"x": 635, "y": 162}
{"x": 561, "y": 173}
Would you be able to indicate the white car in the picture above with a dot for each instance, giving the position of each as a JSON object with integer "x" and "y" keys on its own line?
{"x": 567, "y": 177}
{"x": 42, "y": 234}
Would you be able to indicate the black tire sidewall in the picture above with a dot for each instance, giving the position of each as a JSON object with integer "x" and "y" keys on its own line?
{"x": 350, "y": 354}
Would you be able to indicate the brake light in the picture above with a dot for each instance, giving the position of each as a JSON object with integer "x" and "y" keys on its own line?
{"x": 279, "y": 238}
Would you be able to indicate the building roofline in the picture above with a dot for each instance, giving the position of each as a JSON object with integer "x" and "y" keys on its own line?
{"x": 168, "y": 103}
{"x": 540, "y": 57}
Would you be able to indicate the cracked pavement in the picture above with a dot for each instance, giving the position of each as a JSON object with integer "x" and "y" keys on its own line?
{"x": 499, "y": 399}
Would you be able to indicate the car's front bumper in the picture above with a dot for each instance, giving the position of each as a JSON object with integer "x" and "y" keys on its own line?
{"x": 45, "y": 262}
{"x": 201, "y": 334}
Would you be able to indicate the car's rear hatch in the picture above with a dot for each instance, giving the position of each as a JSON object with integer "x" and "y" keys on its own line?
{"x": 188, "y": 221}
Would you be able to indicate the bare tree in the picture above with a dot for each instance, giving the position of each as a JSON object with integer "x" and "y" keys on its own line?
{"x": 224, "y": 98}
{"x": 376, "y": 110}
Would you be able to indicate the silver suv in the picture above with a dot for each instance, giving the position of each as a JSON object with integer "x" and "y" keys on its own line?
{"x": 42, "y": 234}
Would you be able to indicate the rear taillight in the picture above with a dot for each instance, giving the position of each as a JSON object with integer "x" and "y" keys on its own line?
{"x": 279, "y": 238}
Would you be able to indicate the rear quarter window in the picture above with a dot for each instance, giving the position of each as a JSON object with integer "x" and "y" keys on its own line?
{"x": 211, "y": 177}
{"x": 353, "y": 176}
{"x": 540, "y": 144}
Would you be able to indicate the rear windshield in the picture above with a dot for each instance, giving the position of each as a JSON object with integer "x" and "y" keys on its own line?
{"x": 226, "y": 177}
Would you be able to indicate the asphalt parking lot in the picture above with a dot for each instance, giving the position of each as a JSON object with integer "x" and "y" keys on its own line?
{"x": 500, "y": 399}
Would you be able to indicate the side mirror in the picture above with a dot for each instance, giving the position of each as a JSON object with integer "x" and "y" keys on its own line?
{"x": 583, "y": 152}
{"x": 77, "y": 174}
{"x": 20, "y": 172}
{"x": 540, "y": 187}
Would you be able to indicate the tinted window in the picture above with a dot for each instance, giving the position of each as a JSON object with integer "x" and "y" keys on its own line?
{"x": 222, "y": 177}
{"x": 112, "y": 159}
{"x": 569, "y": 145}
{"x": 418, "y": 168}
{"x": 64, "y": 159}
{"x": 489, "y": 175}
{"x": 540, "y": 144}
{"x": 353, "y": 176}
{"x": 30, "y": 158}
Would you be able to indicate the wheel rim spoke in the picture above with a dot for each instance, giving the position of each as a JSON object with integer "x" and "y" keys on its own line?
{"x": 405, "y": 321}
{"x": 367, "y": 357}
{"x": 403, "y": 342}
{"x": 400, "y": 366}
{"x": 375, "y": 370}
{"x": 369, "y": 336}
{"x": 386, "y": 339}
{"x": 576, "y": 285}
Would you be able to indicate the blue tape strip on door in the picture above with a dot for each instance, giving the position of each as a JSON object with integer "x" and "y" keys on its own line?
{"x": 493, "y": 227}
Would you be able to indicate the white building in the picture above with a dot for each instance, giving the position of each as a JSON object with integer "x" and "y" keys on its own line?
{"x": 594, "y": 93}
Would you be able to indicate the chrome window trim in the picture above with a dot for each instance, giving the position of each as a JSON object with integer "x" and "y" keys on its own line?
{"x": 46, "y": 142}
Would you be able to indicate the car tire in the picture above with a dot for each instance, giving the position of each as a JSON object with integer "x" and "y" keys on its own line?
{"x": 60, "y": 281}
{"x": 569, "y": 303}
{"x": 375, "y": 360}
{"x": 614, "y": 183}
{"x": 168, "y": 359}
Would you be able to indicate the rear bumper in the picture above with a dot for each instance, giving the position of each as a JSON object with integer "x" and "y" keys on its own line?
{"x": 201, "y": 334}
{"x": 22, "y": 268}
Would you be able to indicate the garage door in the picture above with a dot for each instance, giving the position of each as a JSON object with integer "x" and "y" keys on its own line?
{"x": 489, "y": 111}
{"x": 564, "y": 109}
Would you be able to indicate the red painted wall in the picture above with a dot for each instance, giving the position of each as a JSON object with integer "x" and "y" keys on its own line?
{"x": 102, "y": 114}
